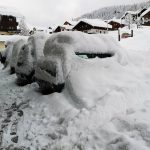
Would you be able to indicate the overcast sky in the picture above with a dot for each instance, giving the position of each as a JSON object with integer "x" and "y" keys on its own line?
{"x": 53, "y": 12}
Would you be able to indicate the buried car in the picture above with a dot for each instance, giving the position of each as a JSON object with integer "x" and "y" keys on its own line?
{"x": 63, "y": 51}
{"x": 14, "y": 55}
{"x": 6, "y": 54}
{"x": 28, "y": 56}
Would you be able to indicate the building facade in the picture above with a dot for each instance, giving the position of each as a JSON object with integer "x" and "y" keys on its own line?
{"x": 8, "y": 23}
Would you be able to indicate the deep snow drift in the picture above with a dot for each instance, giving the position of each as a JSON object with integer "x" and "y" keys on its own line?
{"x": 60, "y": 59}
{"x": 117, "y": 96}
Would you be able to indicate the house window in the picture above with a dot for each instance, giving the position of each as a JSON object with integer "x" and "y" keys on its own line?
{"x": 10, "y": 19}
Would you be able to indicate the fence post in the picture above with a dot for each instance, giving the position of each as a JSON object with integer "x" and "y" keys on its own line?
{"x": 119, "y": 35}
{"x": 131, "y": 33}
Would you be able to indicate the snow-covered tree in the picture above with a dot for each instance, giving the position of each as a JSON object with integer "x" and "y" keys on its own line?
{"x": 107, "y": 13}
{"x": 24, "y": 30}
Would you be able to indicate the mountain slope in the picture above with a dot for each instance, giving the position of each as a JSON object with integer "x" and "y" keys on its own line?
{"x": 113, "y": 11}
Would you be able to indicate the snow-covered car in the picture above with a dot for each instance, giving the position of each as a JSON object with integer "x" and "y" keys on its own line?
{"x": 28, "y": 56}
{"x": 6, "y": 54}
{"x": 14, "y": 55}
{"x": 63, "y": 51}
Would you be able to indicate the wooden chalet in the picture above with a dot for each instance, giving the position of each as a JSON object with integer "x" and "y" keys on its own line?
{"x": 8, "y": 23}
{"x": 63, "y": 28}
{"x": 145, "y": 17}
{"x": 8, "y": 20}
{"x": 131, "y": 17}
{"x": 92, "y": 26}
{"x": 70, "y": 23}
{"x": 116, "y": 24}
{"x": 67, "y": 26}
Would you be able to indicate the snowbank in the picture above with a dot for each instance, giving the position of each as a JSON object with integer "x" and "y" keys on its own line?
{"x": 118, "y": 98}
{"x": 63, "y": 46}
{"x": 60, "y": 58}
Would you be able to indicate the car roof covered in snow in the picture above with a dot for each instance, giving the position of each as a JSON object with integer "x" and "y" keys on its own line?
{"x": 82, "y": 42}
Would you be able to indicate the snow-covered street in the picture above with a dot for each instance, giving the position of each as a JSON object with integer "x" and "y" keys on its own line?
{"x": 117, "y": 96}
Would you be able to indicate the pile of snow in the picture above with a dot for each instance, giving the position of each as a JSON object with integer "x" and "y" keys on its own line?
{"x": 111, "y": 112}
{"x": 30, "y": 53}
{"x": 14, "y": 56}
{"x": 60, "y": 58}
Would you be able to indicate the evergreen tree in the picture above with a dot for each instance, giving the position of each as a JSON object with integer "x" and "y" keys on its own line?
{"x": 24, "y": 30}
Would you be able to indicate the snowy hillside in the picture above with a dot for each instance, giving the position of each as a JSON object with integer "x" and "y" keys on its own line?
{"x": 117, "y": 120}
{"x": 114, "y": 11}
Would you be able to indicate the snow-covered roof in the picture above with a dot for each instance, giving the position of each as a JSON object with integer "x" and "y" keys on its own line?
{"x": 145, "y": 12}
{"x": 10, "y": 12}
{"x": 38, "y": 27}
{"x": 131, "y": 12}
{"x": 73, "y": 23}
{"x": 96, "y": 23}
{"x": 67, "y": 27}
{"x": 116, "y": 20}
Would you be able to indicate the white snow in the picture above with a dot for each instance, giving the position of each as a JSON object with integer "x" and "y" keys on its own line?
{"x": 31, "y": 52}
{"x": 118, "y": 96}
{"x": 9, "y": 41}
{"x": 60, "y": 48}
{"x": 96, "y": 23}
{"x": 15, "y": 52}
{"x": 73, "y": 23}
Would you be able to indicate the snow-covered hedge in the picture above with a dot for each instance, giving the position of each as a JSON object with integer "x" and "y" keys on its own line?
{"x": 28, "y": 56}
{"x": 60, "y": 49}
